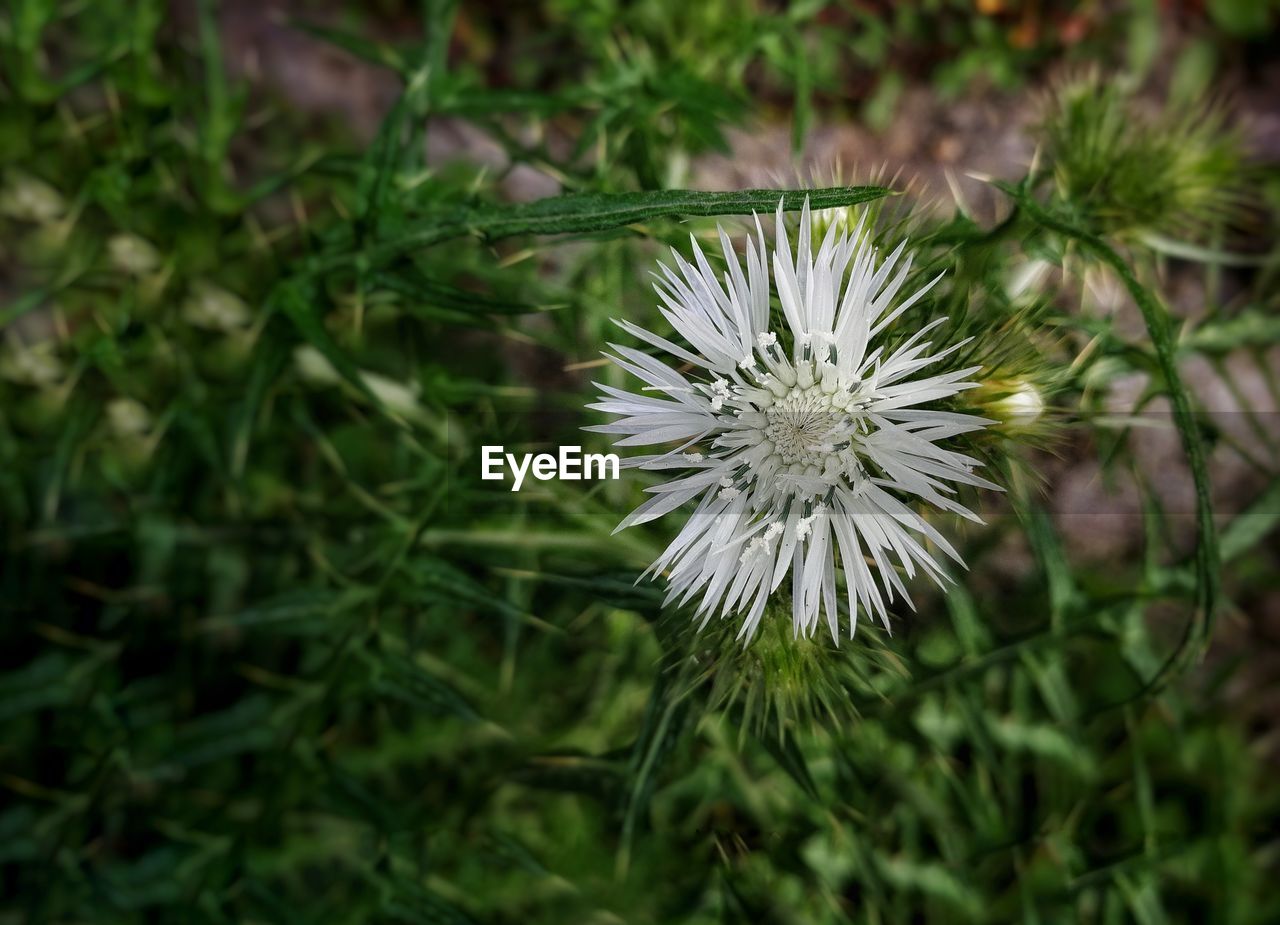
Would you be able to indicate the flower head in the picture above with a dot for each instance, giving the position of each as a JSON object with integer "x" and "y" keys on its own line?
{"x": 802, "y": 438}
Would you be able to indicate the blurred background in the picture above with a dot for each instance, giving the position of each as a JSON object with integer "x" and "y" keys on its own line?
{"x": 270, "y": 651}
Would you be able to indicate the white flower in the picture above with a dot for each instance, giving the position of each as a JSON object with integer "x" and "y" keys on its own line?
{"x": 810, "y": 439}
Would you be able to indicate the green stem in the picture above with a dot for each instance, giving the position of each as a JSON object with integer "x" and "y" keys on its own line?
{"x": 1207, "y": 558}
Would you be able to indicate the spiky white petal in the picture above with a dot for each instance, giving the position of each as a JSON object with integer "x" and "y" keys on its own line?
{"x": 798, "y": 460}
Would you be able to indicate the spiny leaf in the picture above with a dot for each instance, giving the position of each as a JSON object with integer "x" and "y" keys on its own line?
{"x": 617, "y": 589}
{"x": 1253, "y": 327}
{"x": 1251, "y": 527}
{"x": 306, "y": 611}
{"x": 791, "y": 759}
{"x": 406, "y": 680}
{"x": 1048, "y": 550}
{"x": 415, "y": 904}
{"x": 307, "y": 319}
{"x": 588, "y": 212}
{"x": 42, "y": 683}
{"x": 572, "y": 773}
{"x": 245, "y": 727}
{"x": 479, "y": 101}
{"x": 365, "y": 49}
{"x": 380, "y": 162}
{"x": 417, "y": 285}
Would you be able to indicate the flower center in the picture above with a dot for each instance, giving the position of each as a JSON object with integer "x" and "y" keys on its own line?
{"x": 808, "y": 427}
{"x": 800, "y": 424}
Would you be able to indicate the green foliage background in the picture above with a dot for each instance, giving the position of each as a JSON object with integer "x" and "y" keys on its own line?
{"x": 270, "y": 650}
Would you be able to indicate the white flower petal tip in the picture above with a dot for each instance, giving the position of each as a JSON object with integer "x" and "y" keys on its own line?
{"x": 813, "y": 436}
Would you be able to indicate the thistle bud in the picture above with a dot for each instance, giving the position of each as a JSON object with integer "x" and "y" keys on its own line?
{"x": 127, "y": 418}
{"x": 395, "y": 396}
{"x": 215, "y": 309}
{"x": 1015, "y": 404}
{"x": 35, "y": 365}
{"x": 1133, "y": 173}
{"x": 782, "y": 680}
{"x": 31, "y": 200}
{"x": 132, "y": 254}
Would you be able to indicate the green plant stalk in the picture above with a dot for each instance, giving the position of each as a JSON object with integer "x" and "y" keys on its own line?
{"x": 1207, "y": 559}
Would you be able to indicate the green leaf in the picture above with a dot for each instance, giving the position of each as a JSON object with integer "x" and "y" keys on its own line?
{"x": 881, "y": 105}
{"x": 935, "y": 881}
{"x": 1048, "y": 551}
{"x": 591, "y": 212}
{"x": 1250, "y": 527}
{"x": 802, "y": 110}
{"x": 486, "y": 102}
{"x": 416, "y": 285}
{"x": 245, "y": 727}
{"x": 270, "y": 356}
{"x": 616, "y": 589}
{"x": 17, "y": 843}
{"x": 971, "y": 632}
{"x": 380, "y": 162}
{"x": 358, "y": 46}
{"x": 404, "y": 679}
{"x": 414, "y": 904}
{"x": 1242, "y": 18}
{"x": 307, "y": 319}
{"x": 350, "y": 796}
{"x": 1252, "y": 327}
{"x": 438, "y": 580}
{"x": 220, "y": 118}
{"x": 791, "y": 759}
{"x": 572, "y": 773}
{"x": 41, "y": 684}
{"x": 1044, "y": 741}
{"x": 303, "y": 612}
{"x": 439, "y": 16}
{"x": 664, "y": 726}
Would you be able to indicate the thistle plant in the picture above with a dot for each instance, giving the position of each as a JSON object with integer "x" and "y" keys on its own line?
{"x": 273, "y": 650}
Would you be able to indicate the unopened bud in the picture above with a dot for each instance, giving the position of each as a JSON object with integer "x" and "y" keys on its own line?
{"x": 214, "y": 308}
{"x": 131, "y": 254}
{"x": 1020, "y": 406}
{"x": 35, "y": 365}
{"x": 31, "y": 200}
{"x": 128, "y": 417}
